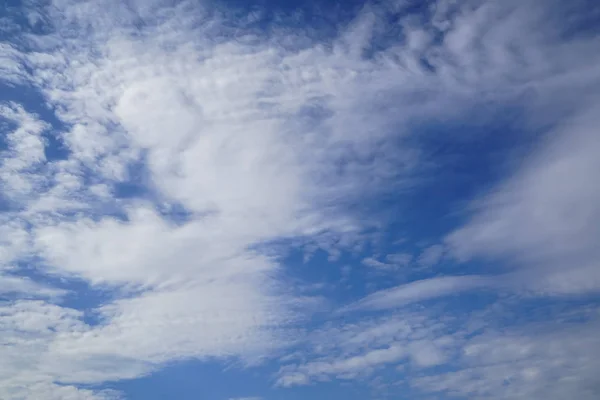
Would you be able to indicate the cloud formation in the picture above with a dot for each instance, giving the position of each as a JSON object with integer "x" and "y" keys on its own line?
{"x": 173, "y": 147}
{"x": 475, "y": 356}
{"x": 422, "y": 290}
{"x": 546, "y": 217}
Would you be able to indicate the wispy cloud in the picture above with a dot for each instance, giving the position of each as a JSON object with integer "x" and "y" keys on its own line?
{"x": 358, "y": 350}
{"x": 549, "y": 361}
{"x": 13, "y": 285}
{"x": 421, "y": 290}
{"x": 475, "y": 356}
{"x": 431, "y": 256}
{"x": 246, "y": 398}
{"x": 546, "y": 216}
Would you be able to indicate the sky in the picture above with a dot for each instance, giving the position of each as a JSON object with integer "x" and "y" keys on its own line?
{"x": 281, "y": 200}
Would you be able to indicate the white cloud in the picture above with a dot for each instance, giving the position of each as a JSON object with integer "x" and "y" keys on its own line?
{"x": 542, "y": 221}
{"x": 258, "y": 143}
{"x": 479, "y": 355}
{"x": 546, "y": 218}
{"x": 28, "y": 330}
{"x": 345, "y": 368}
{"x": 374, "y": 263}
{"x": 421, "y": 290}
{"x": 58, "y": 392}
{"x": 246, "y": 398}
{"x": 252, "y": 150}
{"x": 392, "y": 261}
{"x": 400, "y": 259}
{"x": 544, "y": 361}
{"x": 11, "y": 65}
{"x": 14, "y": 241}
{"x": 24, "y": 152}
{"x": 431, "y": 256}
{"x": 358, "y": 350}
{"x": 426, "y": 354}
{"x": 13, "y": 285}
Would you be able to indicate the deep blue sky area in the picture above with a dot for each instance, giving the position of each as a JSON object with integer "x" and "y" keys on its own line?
{"x": 281, "y": 200}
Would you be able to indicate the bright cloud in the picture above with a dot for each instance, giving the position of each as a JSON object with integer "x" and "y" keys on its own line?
{"x": 159, "y": 162}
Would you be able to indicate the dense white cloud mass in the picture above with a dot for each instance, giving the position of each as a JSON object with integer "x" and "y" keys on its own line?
{"x": 182, "y": 145}
{"x": 247, "y": 139}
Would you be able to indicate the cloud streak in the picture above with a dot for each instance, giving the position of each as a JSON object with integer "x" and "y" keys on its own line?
{"x": 546, "y": 216}
{"x": 422, "y": 290}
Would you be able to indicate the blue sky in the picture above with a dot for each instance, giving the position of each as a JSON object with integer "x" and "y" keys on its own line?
{"x": 274, "y": 200}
